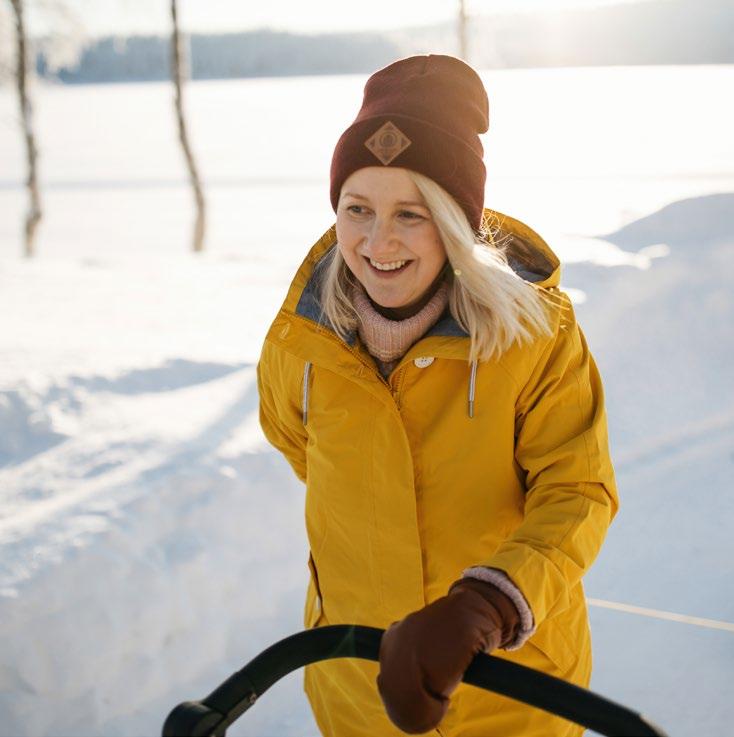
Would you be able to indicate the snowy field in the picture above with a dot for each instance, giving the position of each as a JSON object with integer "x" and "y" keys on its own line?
{"x": 151, "y": 542}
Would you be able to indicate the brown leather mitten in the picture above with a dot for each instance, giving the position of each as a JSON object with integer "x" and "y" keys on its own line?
{"x": 423, "y": 657}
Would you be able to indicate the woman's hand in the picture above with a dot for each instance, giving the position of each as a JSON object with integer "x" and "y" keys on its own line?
{"x": 424, "y": 656}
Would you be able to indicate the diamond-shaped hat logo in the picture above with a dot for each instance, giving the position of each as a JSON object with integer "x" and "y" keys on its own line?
{"x": 387, "y": 143}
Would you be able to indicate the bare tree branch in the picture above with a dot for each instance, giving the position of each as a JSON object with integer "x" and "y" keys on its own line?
{"x": 463, "y": 37}
{"x": 179, "y": 72}
{"x": 33, "y": 218}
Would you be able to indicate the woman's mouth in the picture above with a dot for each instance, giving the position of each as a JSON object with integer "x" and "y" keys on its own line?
{"x": 386, "y": 268}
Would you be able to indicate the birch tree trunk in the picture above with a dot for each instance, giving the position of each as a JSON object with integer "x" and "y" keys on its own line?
{"x": 179, "y": 71}
{"x": 21, "y": 79}
{"x": 463, "y": 42}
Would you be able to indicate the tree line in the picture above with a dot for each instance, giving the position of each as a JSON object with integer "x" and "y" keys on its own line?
{"x": 652, "y": 32}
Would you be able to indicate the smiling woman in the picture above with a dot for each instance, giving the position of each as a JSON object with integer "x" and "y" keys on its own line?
{"x": 461, "y": 525}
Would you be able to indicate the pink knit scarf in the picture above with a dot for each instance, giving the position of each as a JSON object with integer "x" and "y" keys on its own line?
{"x": 389, "y": 340}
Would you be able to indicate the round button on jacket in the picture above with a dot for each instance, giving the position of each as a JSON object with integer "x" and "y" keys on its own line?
{"x": 423, "y": 361}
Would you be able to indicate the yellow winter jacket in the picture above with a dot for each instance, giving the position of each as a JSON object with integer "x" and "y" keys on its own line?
{"x": 405, "y": 487}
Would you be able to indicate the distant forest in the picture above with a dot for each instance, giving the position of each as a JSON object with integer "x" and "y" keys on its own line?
{"x": 657, "y": 32}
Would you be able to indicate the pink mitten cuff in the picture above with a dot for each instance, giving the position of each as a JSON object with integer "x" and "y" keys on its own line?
{"x": 503, "y": 582}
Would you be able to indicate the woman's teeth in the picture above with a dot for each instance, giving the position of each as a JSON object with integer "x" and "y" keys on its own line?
{"x": 390, "y": 266}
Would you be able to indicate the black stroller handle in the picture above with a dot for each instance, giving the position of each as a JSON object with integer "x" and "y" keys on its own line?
{"x": 211, "y": 716}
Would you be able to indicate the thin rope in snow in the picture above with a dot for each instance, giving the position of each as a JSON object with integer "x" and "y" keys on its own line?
{"x": 713, "y": 624}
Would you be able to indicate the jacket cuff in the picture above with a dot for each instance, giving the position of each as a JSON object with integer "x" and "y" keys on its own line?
{"x": 503, "y": 582}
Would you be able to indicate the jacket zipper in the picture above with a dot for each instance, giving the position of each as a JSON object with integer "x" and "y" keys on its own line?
{"x": 397, "y": 381}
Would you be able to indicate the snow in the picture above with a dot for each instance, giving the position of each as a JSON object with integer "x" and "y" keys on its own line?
{"x": 150, "y": 540}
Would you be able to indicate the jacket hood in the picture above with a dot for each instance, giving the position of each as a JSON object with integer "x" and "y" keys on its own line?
{"x": 528, "y": 255}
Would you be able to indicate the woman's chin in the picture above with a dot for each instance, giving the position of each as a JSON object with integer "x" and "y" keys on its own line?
{"x": 387, "y": 301}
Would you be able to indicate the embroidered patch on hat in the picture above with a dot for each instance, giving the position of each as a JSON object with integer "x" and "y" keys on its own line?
{"x": 388, "y": 143}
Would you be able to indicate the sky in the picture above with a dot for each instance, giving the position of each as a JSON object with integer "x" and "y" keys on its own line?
{"x": 123, "y": 17}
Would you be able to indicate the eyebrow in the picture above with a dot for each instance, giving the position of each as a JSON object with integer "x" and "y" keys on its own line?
{"x": 401, "y": 202}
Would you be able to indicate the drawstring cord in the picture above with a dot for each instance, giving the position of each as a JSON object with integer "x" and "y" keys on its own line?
{"x": 472, "y": 387}
{"x": 304, "y": 398}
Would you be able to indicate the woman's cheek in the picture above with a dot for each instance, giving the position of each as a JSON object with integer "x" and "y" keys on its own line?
{"x": 350, "y": 238}
{"x": 346, "y": 235}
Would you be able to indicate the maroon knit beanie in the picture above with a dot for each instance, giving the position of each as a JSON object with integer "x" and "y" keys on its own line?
{"x": 423, "y": 113}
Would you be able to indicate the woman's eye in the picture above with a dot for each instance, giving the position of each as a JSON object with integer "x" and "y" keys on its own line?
{"x": 356, "y": 209}
{"x": 408, "y": 215}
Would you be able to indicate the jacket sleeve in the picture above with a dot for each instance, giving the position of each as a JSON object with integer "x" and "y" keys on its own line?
{"x": 561, "y": 446}
{"x": 281, "y": 417}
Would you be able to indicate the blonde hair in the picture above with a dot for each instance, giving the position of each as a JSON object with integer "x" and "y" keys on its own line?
{"x": 487, "y": 299}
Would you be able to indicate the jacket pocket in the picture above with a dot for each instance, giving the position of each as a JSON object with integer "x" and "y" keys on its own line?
{"x": 313, "y": 611}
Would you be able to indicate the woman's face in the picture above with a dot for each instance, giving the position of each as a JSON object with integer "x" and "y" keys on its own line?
{"x": 387, "y": 236}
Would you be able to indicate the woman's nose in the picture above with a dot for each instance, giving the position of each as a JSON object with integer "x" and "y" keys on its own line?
{"x": 382, "y": 239}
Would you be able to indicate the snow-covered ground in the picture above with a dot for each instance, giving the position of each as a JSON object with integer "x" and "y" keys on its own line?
{"x": 151, "y": 542}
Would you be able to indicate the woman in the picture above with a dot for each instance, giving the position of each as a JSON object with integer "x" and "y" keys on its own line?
{"x": 427, "y": 380}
